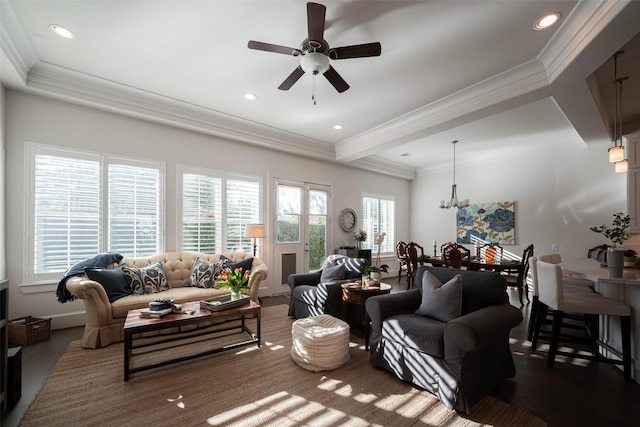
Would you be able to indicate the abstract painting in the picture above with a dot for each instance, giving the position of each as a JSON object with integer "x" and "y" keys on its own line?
{"x": 488, "y": 222}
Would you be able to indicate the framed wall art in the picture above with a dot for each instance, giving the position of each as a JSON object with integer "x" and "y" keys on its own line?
{"x": 487, "y": 222}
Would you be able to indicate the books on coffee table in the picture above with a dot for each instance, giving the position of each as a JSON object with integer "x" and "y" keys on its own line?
{"x": 155, "y": 313}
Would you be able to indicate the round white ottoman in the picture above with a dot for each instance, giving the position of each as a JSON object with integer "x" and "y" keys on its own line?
{"x": 320, "y": 343}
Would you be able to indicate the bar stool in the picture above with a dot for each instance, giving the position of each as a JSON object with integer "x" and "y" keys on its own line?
{"x": 552, "y": 296}
{"x": 569, "y": 284}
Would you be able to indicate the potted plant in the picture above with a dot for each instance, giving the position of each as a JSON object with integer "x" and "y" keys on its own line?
{"x": 360, "y": 236}
{"x": 375, "y": 271}
{"x": 617, "y": 233}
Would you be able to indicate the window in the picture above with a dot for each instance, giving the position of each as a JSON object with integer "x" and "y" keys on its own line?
{"x": 378, "y": 216}
{"x": 215, "y": 209}
{"x": 82, "y": 204}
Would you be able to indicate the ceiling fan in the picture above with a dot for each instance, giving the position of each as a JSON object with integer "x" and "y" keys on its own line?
{"x": 315, "y": 53}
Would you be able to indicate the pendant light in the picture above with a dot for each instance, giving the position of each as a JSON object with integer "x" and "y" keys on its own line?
{"x": 454, "y": 202}
{"x": 616, "y": 153}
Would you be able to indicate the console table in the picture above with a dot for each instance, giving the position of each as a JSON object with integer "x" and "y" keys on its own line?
{"x": 356, "y": 253}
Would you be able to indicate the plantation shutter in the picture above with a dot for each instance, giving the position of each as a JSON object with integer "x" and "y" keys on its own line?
{"x": 388, "y": 224}
{"x": 379, "y": 216}
{"x": 201, "y": 213}
{"x": 243, "y": 207}
{"x": 134, "y": 223}
{"x": 66, "y": 211}
{"x": 369, "y": 220}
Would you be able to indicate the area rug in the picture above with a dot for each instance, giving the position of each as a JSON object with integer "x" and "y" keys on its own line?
{"x": 245, "y": 387}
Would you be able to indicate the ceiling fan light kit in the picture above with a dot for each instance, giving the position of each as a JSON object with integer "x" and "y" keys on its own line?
{"x": 316, "y": 54}
{"x": 314, "y": 63}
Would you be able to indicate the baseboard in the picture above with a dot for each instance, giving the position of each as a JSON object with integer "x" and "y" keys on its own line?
{"x": 68, "y": 320}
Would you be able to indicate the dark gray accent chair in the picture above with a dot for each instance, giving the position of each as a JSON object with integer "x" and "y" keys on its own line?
{"x": 460, "y": 361}
{"x": 310, "y": 297}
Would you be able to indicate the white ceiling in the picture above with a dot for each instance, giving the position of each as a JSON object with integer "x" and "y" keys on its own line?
{"x": 474, "y": 71}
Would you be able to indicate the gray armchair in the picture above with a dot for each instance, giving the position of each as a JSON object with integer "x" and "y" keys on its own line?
{"x": 460, "y": 361}
{"x": 320, "y": 292}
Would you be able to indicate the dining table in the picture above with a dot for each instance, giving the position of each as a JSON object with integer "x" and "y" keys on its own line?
{"x": 498, "y": 265}
{"x": 625, "y": 289}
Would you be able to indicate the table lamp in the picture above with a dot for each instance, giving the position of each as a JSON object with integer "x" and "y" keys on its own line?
{"x": 255, "y": 231}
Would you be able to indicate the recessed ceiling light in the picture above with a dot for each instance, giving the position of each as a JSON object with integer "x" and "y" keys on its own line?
{"x": 547, "y": 21}
{"x": 250, "y": 96}
{"x": 62, "y": 31}
{"x": 337, "y": 127}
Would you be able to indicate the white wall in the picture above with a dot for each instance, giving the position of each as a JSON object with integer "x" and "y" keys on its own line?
{"x": 32, "y": 118}
{"x": 558, "y": 196}
{"x": 3, "y": 240}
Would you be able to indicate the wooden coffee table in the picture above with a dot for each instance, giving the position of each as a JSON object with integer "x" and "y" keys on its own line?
{"x": 135, "y": 324}
{"x": 359, "y": 295}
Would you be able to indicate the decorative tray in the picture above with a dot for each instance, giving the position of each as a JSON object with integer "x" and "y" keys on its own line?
{"x": 224, "y": 302}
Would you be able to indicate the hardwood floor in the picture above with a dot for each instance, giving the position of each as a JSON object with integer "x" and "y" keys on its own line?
{"x": 573, "y": 393}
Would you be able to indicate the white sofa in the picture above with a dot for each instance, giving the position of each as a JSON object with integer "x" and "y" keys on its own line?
{"x": 105, "y": 320}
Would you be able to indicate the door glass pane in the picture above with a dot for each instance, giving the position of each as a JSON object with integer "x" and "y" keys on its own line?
{"x": 289, "y": 211}
{"x": 317, "y": 228}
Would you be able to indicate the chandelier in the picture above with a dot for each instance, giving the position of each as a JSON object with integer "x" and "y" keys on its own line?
{"x": 454, "y": 202}
{"x": 616, "y": 153}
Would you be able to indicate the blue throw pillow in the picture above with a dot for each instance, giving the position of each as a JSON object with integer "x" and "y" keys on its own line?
{"x": 245, "y": 264}
{"x": 111, "y": 279}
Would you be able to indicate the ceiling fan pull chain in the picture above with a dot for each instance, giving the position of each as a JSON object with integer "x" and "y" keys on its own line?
{"x": 313, "y": 88}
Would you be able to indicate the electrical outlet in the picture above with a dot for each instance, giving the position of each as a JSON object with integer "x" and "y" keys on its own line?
{"x": 554, "y": 247}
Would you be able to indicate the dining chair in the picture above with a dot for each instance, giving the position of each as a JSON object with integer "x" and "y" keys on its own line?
{"x": 456, "y": 256}
{"x": 403, "y": 261}
{"x": 415, "y": 253}
{"x": 518, "y": 277}
{"x": 599, "y": 253}
{"x": 552, "y": 296}
{"x": 490, "y": 252}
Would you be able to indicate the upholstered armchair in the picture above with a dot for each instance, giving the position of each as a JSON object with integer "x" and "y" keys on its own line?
{"x": 320, "y": 292}
{"x": 449, "y": 335}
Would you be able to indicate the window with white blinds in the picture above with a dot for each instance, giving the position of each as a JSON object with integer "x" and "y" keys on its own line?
{"x": 81, "y": 204}
{"x": 201, "y": 213}
{"x": 378, "y": 216}
{"x": 216, "y": 207}
{"x": 134, "y": 219}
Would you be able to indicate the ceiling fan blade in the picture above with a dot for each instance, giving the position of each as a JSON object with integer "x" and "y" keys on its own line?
{"x": 336, "y": 80}
{"x": 356, "y": 51}
{"x": 293, "y": 77}
{"x": 268, "y": 47}
{"x": 315, "y": 21}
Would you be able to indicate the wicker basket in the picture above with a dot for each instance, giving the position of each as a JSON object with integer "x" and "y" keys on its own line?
{"x": 29, "y": 330}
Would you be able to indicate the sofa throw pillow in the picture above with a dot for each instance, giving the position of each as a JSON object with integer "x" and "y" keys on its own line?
{"x": 331, "y": 274}
{"x": 352, "y": 267}
{"x": 442, "y": 302}
{"x": 245, "y": 264}
{"x": 203, "y": 274}
{"x": 112, "y": 280}
{"x": 146, "y": 280}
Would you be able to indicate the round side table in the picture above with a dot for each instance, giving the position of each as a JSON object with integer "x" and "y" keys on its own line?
{"x": 358, "y": 295}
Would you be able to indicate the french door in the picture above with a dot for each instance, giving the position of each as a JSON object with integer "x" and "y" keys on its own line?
{"x": 301, "y": 229}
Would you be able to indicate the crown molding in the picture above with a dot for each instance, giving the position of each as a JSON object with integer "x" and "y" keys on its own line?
{"x": 587, "y": 20}
{"x": 456, "y": 109}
